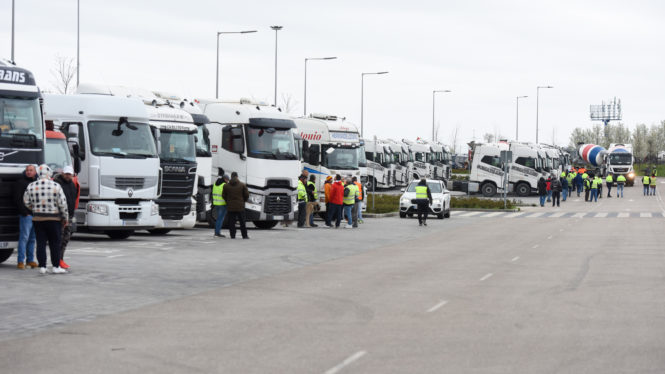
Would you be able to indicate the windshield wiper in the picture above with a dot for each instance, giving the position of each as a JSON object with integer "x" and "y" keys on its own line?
{"x": 137, "y": 155}
{"x": 112, "y": 154}
{"x": 175, "y": 160}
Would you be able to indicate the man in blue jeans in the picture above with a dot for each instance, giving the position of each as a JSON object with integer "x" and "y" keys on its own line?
{"x": 219, "y": 203}
{"x": 26, "y": 239}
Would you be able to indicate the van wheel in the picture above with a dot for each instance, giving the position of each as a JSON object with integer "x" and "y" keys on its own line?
{"x": 119, "y": 234}
{"x": 523, "y": 190}
{"x": 488, "y": 189}
{"x": 159, "y": 231}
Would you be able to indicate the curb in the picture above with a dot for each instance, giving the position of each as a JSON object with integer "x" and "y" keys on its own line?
{"x": 380, "y": 215}
{"x": 483, "y": 210}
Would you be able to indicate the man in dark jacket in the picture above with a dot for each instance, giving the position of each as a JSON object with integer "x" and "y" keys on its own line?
{"x": 26, "y": 239}
{"x": 556, "y": 190}
{"x": 236, "y": 194}
{"x": 424, "y": 199}
{"x": 542, "y": 190}
{"x": 71, "y": 190}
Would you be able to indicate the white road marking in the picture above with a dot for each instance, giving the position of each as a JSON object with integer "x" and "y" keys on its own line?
{"x": 437, "y": 306}
{"x": 600, "y": 215}
{"x": 579, "y": 215}
{"x": 469, "y": 214}
{"x": 487, "y": 276}
{"x": 549, "y": 237}
{"x": 114, "y": 256}
{"x": 536, "y": 246}
{"x": 535, "y": 215}
{"x": 623, "y": 215}
{"x": 557, "y": 215}
{"x": 645, "y": 215}
{"x": 631, "y": 200}
{"x": 490, "y": 215}
{"x": 515, "y": 258}
{"x": 347, "y": 362}
{"x": 513, "y": 215}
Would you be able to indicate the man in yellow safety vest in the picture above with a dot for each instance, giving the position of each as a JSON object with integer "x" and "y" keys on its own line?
{"x": 302, "y": 201}
{"x": 219, "y": 204}
{"x": 423, "y": 199}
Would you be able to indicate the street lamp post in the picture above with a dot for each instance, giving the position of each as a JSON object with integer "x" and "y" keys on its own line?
{"x": 13, "y": 30}
{"x": 537, "y": 96}
{"x": 217, "y": 75}
{"x": 433, "y": 112}
{"x": 305, "y": 93}
{"x": 362, "y": 97}
{"x": 276, "y": 28}
{"x": 517, "y": 117}
{"x": 78, "y": 40}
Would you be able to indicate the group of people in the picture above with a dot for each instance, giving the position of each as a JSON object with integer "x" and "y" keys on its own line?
{"x": 228, "y": 197}
{"x": 46, "y": 209}
{"x": 649, "y": 184}
{"x": 343, "y": 199}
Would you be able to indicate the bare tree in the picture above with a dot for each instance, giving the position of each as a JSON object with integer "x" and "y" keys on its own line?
{"x": 63, "y": 73}
{"x": 289, "y": 104}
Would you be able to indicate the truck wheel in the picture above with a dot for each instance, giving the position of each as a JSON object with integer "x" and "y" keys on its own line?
{"x": 370, "y": 184}
{"x": 119, "y": 234}
{"x": 265, "y": 225}
{"x": 402, "y": 215}
{"x": 523, "y": 190}
{"x": 5, "y": 253}
{"x": 488, "y": 189}
{"x": 159, "y": 231}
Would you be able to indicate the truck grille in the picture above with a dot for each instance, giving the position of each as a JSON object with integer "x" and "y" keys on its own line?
{"x": 278, "y": 183}
{"x": 278, "y": 204}
{"x": 176, "y": 199}
{"x": 620, "y": 170}
{"x": 8, "y": 211}
{"x": 124, "y": 183}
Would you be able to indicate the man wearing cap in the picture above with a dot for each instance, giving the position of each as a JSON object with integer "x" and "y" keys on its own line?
{"x": 71, "y": 190}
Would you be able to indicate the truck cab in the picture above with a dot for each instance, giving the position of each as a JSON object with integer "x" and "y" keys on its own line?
{"x": 486, "y": 173}
{"x": 620, "y": 162}
{"x": 119, "y": 173}
{"x": 378, "y": 165}
{"x": 21, "y": 143}
{"x": 418, "y": 160}
{"x": 524, "y": 169}
{"x": 330, "y": 147}
{"x": 399, "y": 167}
{"x": 258, "y": 142}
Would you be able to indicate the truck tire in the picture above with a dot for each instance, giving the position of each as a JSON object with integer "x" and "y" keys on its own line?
{"x": 159, "y": 231}
{"x": 5, "y": 253}
{"x": 488, "y": 189}
{"x": 370, "y": 186}
{"x": 119, "y": 234}
{"x": 523, "y": 189}
{"x": 265, "y": 225}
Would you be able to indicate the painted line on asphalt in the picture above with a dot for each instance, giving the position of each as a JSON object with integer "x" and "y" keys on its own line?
{"x": 354, "y": 357}
{"x": 469, "y": 214}
{"x": 535, "y": 215}
{"x": 490, "y": 215}
{"x": 486, "y": 277}
{"x": 600, "y": 215}
{"x": 579, "y": 215}
{"x": 513, "y": 215}
{"x": 114, "y": 256}
{"x": 645, "y": 215}
{"x": 437, "y": 306}
{"x": 623, "y": 215}
{"x": 536, "y": 246}
{"x": 549, "y": 237}
{"x": 515, "y": 258}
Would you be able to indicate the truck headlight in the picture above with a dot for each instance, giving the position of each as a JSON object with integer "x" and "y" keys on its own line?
{"x": 102, "y": 209}
{"x": 631, "y": 175}
{"x": 154, "y": 209}
{"x": 255, "y": 199}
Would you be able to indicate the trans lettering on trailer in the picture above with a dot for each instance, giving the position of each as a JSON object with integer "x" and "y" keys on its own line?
{"x": 491, "y": 169}
{"x": 524, "y": 170}
{"x": 12, "y": 76}
{"x": 347, "y": 136}
{"x": 314, "y": 136}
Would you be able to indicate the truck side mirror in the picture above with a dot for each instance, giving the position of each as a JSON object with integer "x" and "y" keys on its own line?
{"x": 314, "y": 154}
{"x": 238, "y": 143}
{"x": 158, "y": 142}
{"x": 305, "y": 151}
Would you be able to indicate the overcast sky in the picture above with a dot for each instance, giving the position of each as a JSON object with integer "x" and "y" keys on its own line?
{"x": 486, "y": 52}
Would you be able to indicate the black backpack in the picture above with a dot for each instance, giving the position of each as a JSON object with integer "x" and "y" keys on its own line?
{"x": 346, "y": 191}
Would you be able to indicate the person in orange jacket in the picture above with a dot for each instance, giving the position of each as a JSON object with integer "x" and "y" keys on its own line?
{"x": 327, "y": 188}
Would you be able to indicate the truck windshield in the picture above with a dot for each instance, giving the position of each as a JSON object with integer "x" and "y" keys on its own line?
{"x": 20, "y": 123}
{"x": 177, "y": 146}
{"x": 271, "y": 143}
{"x": 621, "y": 158}
{"x": 341, "y": 158}
{"x": 56, "y": 154}
{"x": 362, "y": 160}
{"x": 202, "y": 142}
{"x": 106, "y": 139}
{"x": 420, "y": 156}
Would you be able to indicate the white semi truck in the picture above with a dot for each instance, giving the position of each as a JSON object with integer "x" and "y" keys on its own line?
{"x": 330, "y": 147}
{"x": 120, "y": 175}
{"x": 258, "y": 142}
{"x": 418, "y": 165}
{"x": 400, "y": 165}
{"x": 379, "y": 160}
{"x": 21, "y": 143}
{"x": 619, "y": 161}
{"x": 175, "y": 133}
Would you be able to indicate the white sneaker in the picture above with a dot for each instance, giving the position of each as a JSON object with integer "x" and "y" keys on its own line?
{"x": 59, "y": 270}
{"x": 348, "y": 227}
{"x": 42, "y": 270}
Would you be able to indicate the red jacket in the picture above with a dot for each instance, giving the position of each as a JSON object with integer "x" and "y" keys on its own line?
{"x": 337, "y": 193}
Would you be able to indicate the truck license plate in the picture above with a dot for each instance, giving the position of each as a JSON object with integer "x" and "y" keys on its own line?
{"x": 278, "y": 218}
{"x": 129, "y": 222}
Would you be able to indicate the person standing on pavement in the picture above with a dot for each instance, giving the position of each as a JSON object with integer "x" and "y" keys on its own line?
{"x": 600, "y": 186}
{"x": 72, "y": 192}
{"x": 350, "y": 196}
{"x": 312, "y": 201}
{"x": 587, "y": 188}
{"x": 609, "y": 180}
{"x": 219, "y": 203}
{"x": 645, "y": 183}
{"x": 556, "y": 191}
{"x": 579, "y": 183}
{"x": 542, "y": 191}
{"x": 235, "y": 194}
{"x": 549, "y": 188}
{"x": 621, "y": 181}
{"x": 652, "y": 183}
{"x": 423, "y": 200}
{"x": 361, "y": 199}
{"x": 49, "y": 214}
{"x": 336, "y": 201}
{"x": 563, "y": 181}
{"x": 327, "y": 187}
{"x": 570, "y": 176}
{"x": 595, "y": 182}
{"x": 26, "y": 238}
{"x": 302, "y": 200}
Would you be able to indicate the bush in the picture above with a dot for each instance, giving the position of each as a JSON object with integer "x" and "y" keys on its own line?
{"x": 478, "y": 203}
{"x": 383, "y": 203}
{"x": 460, "y": 171}
{"x": 456, "y": 177}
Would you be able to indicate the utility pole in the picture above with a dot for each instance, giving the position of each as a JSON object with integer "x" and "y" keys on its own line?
{"x": 276, "y": 28}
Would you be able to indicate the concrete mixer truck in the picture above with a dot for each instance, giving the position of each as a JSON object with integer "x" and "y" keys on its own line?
{"x": 618, "y": 160}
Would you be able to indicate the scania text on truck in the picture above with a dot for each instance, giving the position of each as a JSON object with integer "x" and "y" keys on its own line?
{"x": 21, "y": 143}
{"x": 330, "y": 147}
{"x": 120, "y": 173}
{"x": 258, "y": 142}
